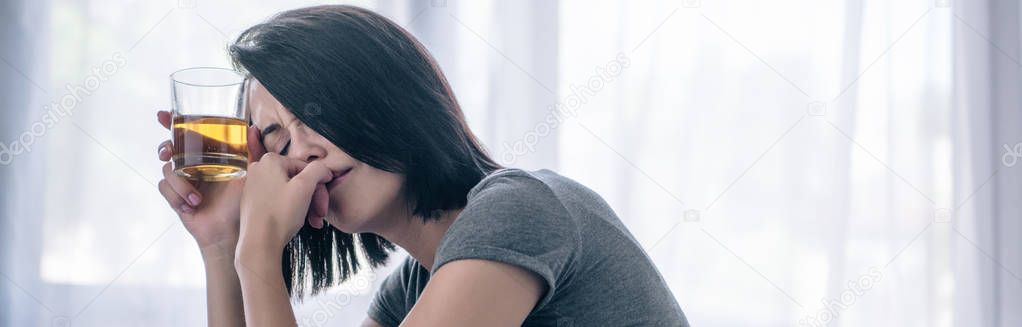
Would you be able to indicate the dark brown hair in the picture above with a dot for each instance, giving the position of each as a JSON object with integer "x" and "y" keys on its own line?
{"x": 369, "y": 87}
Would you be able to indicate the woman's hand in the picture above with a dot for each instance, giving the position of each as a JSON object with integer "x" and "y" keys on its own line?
{"x": 275, "y": 202}
{"x": 210, "y": 211}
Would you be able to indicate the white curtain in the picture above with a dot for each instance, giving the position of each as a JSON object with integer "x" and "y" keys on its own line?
{"x": 987, "y": 251}
{"x": 21, "y": 93}
{"x": 787, "y": 162}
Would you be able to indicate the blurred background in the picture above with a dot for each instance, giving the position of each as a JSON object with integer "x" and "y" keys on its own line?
{"x": 787, "y": 162}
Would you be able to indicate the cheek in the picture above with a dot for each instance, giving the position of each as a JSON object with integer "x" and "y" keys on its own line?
{"x": 365, "y": 196}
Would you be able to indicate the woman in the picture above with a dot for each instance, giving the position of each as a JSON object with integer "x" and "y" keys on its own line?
{"x": 357, "y": 144}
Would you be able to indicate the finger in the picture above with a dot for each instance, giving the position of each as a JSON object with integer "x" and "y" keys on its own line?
{"x": 318, "y": 206}
{"x": 320, "y": 201}
{"x": 293, "y": 166}
{"x": 173, "y": 199}
{"x": 312, "y": 174}
{"x": 304, "y": 184}
{"x": 164, "y": 117}
{"x": 181, "y": 186}
{"x": 270, "y": 159}
{"x": 165, "y": 150}
{"x": 255, "y": 145}
{"x": 314, "y": 221}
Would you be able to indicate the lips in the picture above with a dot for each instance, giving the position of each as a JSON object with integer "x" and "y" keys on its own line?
{"x": 338, "y": 177}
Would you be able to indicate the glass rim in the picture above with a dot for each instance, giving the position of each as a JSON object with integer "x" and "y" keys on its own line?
{"x": 176, "y": 80}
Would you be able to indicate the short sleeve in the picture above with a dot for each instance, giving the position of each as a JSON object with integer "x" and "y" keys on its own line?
{"x": 388, "y": 306}
{"x": 514, "y": 218}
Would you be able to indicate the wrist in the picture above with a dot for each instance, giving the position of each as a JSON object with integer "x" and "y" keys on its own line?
{"x": 257, "y": 264}
{"x": 219, "y": 250}
{"x": 256, "y": 249}
{"x": 259, "y": 235}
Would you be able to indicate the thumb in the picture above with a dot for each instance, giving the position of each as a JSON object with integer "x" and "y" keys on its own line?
{"x": 164, "y": 117}
{"x": 255, "y": 145}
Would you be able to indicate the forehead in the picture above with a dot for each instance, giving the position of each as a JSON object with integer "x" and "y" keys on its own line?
{"x": 263, "y": 107}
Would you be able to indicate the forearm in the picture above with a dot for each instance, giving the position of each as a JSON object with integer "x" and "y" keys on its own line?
{"x": 262, "y": 286}
{"x": 223, "y": 290}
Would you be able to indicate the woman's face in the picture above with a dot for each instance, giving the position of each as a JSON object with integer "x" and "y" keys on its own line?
{"x": 361, "y": 199}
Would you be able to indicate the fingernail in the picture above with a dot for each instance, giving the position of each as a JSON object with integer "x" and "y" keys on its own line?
{"x": 193, "y": 199}
{"x": 162, "y": 150}
{"x": 186, "y": 209}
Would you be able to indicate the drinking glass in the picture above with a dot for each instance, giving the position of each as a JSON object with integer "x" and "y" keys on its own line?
{"x": 209, "y": 123}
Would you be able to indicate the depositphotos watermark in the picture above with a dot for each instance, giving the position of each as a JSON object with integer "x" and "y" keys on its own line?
{"x": 567, "y": 107}
{"x": 832, "y": 308}
{"x": 330, "y": 305}
{"x": 61, "y": 108}
{"x": 1011, "y": 155}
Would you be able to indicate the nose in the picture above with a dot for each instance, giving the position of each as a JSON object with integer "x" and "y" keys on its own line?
{"x": 304, "y": 147}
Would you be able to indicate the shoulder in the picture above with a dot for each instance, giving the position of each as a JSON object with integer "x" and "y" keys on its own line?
{"x": 507, "y": 179}
{"x": 515, "y": 217}
{"x": 512, "y": 199}
{"x": 544, "y": 185}
{"x": 511, "y": 186}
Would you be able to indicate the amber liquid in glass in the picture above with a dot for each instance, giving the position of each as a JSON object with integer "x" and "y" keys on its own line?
{"x": 210, "y": 148}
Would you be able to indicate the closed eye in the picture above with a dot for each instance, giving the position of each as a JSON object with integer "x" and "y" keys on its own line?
{"x": 283, "y": 151}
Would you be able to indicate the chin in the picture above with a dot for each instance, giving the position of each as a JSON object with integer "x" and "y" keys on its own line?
{"x": 354, "y": 215}
{"x": 340, "y": 219}
{"x": 344, "y": 224}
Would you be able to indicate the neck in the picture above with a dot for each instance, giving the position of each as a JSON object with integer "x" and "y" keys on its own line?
{"x": 421, "y": 238}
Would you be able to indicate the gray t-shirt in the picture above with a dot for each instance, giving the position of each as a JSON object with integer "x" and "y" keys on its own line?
{"x": 595, "y": 271}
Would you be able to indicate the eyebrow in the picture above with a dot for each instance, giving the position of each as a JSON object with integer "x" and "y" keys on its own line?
{"x": 269, "y": 129}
